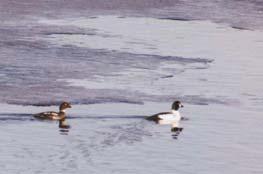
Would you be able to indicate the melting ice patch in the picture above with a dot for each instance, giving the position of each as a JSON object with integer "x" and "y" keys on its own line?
{"x": 164, "y": 37}
{"x": 111, "y": 59}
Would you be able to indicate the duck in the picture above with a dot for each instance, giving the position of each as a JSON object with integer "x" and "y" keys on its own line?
{"x": 172, "y": 117}
{"x": 51, "y": 115}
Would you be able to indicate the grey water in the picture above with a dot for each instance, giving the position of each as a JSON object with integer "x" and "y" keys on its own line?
{"x": 119, "y": 61}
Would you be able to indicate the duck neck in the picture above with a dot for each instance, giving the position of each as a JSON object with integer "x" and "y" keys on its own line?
{"x": 175, "y": 111}
{"x": 62, "y": 111}
{"x": 62, "y": 114}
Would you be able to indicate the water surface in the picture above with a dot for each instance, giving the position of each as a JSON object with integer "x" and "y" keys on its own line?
{"x": 118, "y": 62}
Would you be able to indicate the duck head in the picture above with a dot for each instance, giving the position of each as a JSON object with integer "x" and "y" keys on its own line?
{"x": 64, "y": 105}
{"x": 176, "y": 105}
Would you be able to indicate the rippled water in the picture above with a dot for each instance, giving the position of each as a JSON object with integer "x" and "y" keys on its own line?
{"x": 120, "y": 61}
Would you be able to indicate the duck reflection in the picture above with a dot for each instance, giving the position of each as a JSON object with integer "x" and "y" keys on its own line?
{"x": 176, "y": 132}
{"x": 175, "y": 129}
{"x": 63, "y": 126}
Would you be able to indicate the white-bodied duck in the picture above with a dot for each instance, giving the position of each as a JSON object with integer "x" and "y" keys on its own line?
{"x": 173, "y": 117}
